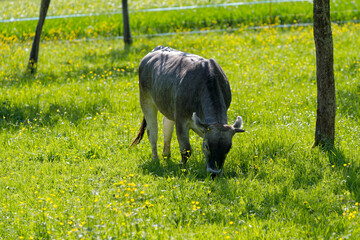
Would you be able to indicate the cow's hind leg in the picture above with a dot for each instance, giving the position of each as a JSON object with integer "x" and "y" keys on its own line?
{"x": 168, "y": 131}
{"x": 150, "y": 113}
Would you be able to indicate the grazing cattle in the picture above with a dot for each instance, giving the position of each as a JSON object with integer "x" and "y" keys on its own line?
{"x": 192, "y": 93}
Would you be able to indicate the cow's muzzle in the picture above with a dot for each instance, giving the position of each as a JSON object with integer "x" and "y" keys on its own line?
{"x": 214, "y": 172}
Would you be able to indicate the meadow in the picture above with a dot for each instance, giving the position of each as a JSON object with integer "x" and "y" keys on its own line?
{"x": 107, "y": 21}
{"x": 66, "y": 171}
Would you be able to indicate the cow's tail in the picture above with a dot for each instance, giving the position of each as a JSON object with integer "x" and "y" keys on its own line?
{"x": 140, "y": 134}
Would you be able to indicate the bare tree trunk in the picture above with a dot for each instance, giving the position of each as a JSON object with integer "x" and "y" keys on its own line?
{"x": 326, "y": 100}
{"x": 126, "y": 23}
{"x": 34, "y": 54}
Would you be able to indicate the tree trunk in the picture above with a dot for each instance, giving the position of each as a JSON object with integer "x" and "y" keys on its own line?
{"x": 34, "y": 54}
{"x": 126, "y": 23}
{"x": 326, "y": 101}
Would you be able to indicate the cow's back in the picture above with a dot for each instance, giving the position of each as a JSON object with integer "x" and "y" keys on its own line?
{"x": 181, "y": 83}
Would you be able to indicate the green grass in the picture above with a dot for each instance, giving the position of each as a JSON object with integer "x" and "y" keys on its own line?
{"x": 169, "y": 21}
{"x": 66, "y": 172}
{"x": 65, "y": 7}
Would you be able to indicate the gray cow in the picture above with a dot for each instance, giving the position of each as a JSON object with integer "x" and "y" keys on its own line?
{"x": 192, "y": 93}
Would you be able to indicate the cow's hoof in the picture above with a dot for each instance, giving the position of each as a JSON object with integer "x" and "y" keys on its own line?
{"x": 214, "y": 172}
{"x": 213, "y": 175}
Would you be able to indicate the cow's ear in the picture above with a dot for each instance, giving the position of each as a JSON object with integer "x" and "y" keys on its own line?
{"x": 238, "y": 125}
{"x": 200, "y": 125}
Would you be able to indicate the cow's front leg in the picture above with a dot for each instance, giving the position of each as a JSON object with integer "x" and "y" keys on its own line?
{"x": 168, "y": 131}
{"x": 182, "y": 133}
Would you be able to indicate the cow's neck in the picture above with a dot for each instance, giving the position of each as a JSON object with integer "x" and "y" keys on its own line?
{"x": 213, "y": 108}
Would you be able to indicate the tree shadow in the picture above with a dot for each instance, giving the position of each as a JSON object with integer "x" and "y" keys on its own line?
{"x": 349, "y": 170}
{"x": 79, "y": 75}
{"x": 117, "y": 55}
{"x": 115, "y": 63}
{"x": 14, "y": 115}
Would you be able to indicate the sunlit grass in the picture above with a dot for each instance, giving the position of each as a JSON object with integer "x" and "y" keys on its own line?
{"x": 110, "y": 25}
{"x": 12, "y": 9}
{"x": 66, "y": 172}
{"x": 62, "y": 7}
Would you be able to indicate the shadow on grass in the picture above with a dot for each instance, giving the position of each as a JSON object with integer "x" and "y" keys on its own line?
{"x": 15, "y": 115}
{"x": 80, "y": 75}
{"x": 350, "y": 172}
{"x": 195, "y": 168}
{"x": 196, "y": 165}
{"x": 12, "y": 115}
{"x": 119, "y": 54}
{"x": 114, "y": 62}
{"x": 172, "y": 168}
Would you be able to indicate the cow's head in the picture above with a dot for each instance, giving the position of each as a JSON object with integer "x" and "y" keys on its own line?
{"x": 217, "y": 141}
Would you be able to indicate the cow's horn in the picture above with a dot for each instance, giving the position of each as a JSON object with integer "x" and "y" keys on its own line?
{"x": 238, "y": 123}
